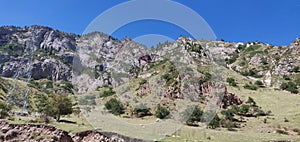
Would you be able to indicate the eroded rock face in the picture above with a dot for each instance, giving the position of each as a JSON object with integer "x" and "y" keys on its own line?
{"x": 230, "y": 99}
{"x": 46, "y": 133}
{"x": 51, "y": 69}
{"x": 32, "y": 132}
{"x": 227, "y": 98}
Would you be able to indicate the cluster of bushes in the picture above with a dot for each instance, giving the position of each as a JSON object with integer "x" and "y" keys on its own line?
{"x": 13, "y": 49}
{"x": 194, "y": 48}
{"x": 290, "y": 86}
{"x": 255, "y": 86}
{"x": 116, "y": 107}
{"x": 229, "y": 119}
{"x": 154, "y": 64}
{"x": 252, "y": 72}
{"x": 233, "y": 58}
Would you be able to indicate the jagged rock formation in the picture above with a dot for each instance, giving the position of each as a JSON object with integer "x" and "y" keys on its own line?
{"x": 55, "y": 50}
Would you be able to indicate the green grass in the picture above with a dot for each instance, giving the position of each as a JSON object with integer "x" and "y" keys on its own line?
{"x": 282, "y": 104}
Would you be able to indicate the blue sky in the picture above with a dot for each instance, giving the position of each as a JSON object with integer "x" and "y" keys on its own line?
{"x": 270, "y": 21}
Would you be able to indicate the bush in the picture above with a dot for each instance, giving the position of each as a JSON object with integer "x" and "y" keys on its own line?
{"x": 250, "y": 87}
{"x": 252, "y": 72}
{"x": 296, "y": 130}
{"x": 143, "y": 81}
{"x": 264, "y": 61}
{"x": 281, "y": 132}
{"x": 290, "y": 86}
{"x": 296, "y": 68}
{"x": 114, "y": 106}
{"x": 4, "y": 110}
{"x": 107, "y": 93}
{"x": 231, "y": 82}
{"x": 259, "y": 83}
{"x": 192, "y": 115}
{"x": 162, "y": 112}
{"x": 141, "y": 110}
{"x": 215, "y": 122}
{"x": 233, "y": 58}
{"x": 286, "y": 77}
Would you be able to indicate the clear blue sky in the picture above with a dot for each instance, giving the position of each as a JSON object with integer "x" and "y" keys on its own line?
{"x": 270, "y": 21}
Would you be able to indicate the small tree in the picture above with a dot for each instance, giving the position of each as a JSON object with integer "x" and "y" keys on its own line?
{"x": 54, "y": 105}
{"x": 4, "y": 110}
{"x": 194, "y": 117}
{"x": 215, "y": 122}
{"x": 114, "y": 106}
{"x": 162, "y": 112}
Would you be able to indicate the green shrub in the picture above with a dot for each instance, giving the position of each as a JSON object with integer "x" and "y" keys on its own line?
{"x": 264, "y": 61}
{"x": 162, "y": 112}
{"x": 286, "y": 77}
{"x": 107, "y": 93}
{"x": 281, "y": 132}
{"x": 141, "y": 111}
{"x": 231, "y": 82}
{"x": 4, "y": 109}
{"x": 296, "y": 130}
{"x": 290, "y": 86}
{"x": 192, "y": 115}
{"x": 296, "y": 68}
{"x": 143, "y": 81}
{"x": 114, "y": 106}
{"x": 259, "y": 83}
{"x": 215, "y": 122}
{"x": 233, "y": 58}
{"x": 252, "y": 48}
{"x": 252, "y": 72}
{"x": 250, "y": 86}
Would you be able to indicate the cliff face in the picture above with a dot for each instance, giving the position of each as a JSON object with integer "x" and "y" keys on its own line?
{"x": 54, "y": 52}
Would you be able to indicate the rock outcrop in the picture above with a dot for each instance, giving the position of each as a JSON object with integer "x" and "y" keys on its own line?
{"x": 46, "y": 133}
